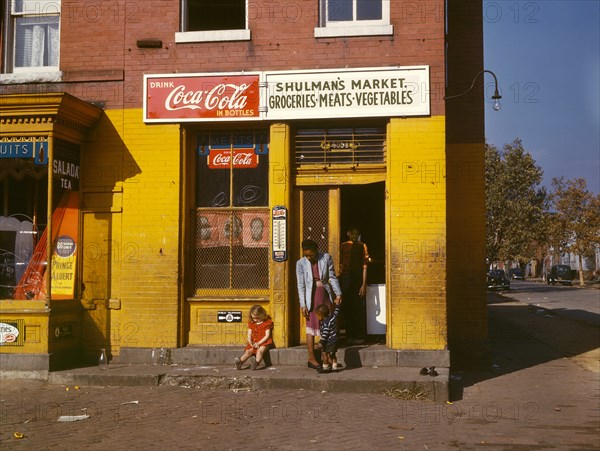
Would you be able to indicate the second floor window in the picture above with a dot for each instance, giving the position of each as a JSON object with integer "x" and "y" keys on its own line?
{"x": 207, "y": 15}
{"x": 353, "y": 10}
{"x": 354, "y": 18}
{"x": 31, "y": 35}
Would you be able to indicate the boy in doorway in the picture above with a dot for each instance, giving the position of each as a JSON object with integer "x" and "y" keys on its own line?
{"x": 354, "y": 258}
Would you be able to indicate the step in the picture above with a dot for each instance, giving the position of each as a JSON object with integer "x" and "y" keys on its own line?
{"x": 372, "y": 355}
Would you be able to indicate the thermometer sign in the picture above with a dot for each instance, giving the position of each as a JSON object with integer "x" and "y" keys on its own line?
{"x": 279, "y": 233}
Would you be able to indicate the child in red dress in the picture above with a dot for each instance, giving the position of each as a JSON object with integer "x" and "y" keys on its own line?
{"x": 259, "y": 337}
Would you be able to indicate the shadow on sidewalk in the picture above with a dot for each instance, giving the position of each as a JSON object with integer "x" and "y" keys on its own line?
{"x": 522, "y": 336}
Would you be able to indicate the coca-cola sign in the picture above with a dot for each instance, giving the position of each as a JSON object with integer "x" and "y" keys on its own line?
{"x": 201, "y": 98}
{"x": 242, "y": 159}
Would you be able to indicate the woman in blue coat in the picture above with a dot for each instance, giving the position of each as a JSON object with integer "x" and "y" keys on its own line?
{"x": 317, "y": 284}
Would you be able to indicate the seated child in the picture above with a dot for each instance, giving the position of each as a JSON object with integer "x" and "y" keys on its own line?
{"x": 259, "y": 337}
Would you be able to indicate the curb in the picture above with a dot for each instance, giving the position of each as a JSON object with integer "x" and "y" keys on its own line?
{"x": 350, "y": 380}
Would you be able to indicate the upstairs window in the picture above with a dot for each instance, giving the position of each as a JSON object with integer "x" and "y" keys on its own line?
{"x": 207, "y": 15}
{"x": 354, "y": 18}
{"x": 354, "y": 10}
{"x": 31, "y": 35}
{"x": 210, "y": 20}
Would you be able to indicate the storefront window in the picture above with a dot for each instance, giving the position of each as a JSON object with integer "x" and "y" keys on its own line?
{"x": 23, "y": 218}
{"x": 232, "y": 216}
{"x": 24, "y": 196}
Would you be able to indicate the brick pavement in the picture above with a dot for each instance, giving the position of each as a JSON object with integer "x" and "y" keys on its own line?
{"x": 534, "y": 397}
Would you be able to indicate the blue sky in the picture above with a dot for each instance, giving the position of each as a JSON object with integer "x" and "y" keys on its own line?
{"x": 546, "y": 55}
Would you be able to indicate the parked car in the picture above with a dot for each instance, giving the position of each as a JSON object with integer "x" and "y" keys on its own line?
{"x": 559, "y": 274}
{"x": 516, "y": 274}
{"x": 497, "y": 280}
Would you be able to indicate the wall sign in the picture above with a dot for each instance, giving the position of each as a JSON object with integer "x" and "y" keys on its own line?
{"x": 64, "y": 264}
{"x": 229, "y": 317}
{"x": 347, "y": 93}
{"x": 279, "y": 233}
{"x": 276, "y": 95}
{"x": 12, "y": 332}
{"x": 36, "y": 149}
{"x": 201, "y": 97}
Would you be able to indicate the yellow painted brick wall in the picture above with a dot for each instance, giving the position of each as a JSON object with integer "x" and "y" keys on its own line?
{"x": 280, "y": 194}
{"x": 36, "y": 323}
{"x": 416, "y": 215}
{"x": 137, "y": 167}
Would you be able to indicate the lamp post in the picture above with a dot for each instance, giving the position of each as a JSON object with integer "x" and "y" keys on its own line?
{"x": 496, "y": 97}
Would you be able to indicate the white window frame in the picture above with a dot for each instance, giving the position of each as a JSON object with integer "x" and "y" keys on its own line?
{"x": 35, "y": 9}
{"x": 328, "y": 29}
{"x": 210, "y": 35}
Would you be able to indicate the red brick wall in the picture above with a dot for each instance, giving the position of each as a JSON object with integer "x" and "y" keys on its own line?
{"x": 98, "y": 45}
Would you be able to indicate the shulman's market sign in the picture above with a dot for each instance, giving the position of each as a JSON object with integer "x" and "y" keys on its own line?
{"x": 368, "y": 92}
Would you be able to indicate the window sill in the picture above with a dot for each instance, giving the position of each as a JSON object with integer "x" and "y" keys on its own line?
{"x": 31, "y": 77}
{"x": 212, "y": 36}
{"x": 348, "y": 31}
{"x": 233, "y": 298}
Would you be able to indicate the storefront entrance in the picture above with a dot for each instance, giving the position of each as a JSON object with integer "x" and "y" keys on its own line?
{"x": 326, "y": 215}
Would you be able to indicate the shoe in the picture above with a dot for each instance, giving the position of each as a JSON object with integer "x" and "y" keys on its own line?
{"x": 253, "y": 364}
{"x": 335, "y": 369}
{"x": 238, "y": 363}
{"x": 313, "y": 366}
{"x": 432, "y": 371}
{"x": 424, "y": 372}
{"x": 324, "y": 370}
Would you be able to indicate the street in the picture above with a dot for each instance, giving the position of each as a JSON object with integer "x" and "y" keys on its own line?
{"x": 541, "y": 391}
{"x": 580, "y": 303}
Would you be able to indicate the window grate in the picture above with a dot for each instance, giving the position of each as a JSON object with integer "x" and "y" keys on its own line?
{"x": 340, "y": 146}
{"x": 232, "y": 249}
{"x": 315, "y": 224}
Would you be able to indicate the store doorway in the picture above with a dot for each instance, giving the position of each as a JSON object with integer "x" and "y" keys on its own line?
{"x": 364, "y": 207}
{"x": 326, "y": 215}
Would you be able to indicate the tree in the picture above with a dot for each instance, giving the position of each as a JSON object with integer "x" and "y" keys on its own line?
{"x": 576, "y": 218}
{"x": 515, "y": 203}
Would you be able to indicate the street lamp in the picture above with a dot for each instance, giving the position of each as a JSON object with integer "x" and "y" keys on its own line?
{"x": 496, "y": 97}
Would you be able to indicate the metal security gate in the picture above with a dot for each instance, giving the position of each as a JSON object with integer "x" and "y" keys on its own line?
{"x": 319, "y": 221}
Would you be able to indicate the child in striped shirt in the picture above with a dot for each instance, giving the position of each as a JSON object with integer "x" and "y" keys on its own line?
{"x": 329, "y": 335}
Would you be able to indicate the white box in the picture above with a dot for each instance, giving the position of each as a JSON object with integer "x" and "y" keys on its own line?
{"x": 376, "y": 322}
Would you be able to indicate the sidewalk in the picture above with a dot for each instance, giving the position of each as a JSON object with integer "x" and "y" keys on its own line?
{"x": 365, "y": 369}
{"x": 374, "y": 380}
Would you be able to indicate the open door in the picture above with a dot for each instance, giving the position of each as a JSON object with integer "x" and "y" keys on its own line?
{"x": 363, "y": 206}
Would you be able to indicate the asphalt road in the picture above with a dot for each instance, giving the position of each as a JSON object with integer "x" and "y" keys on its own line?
{"x": 572, "y": 301}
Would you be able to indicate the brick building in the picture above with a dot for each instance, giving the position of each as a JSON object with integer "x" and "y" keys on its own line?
{"x": 193, "y": 145}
